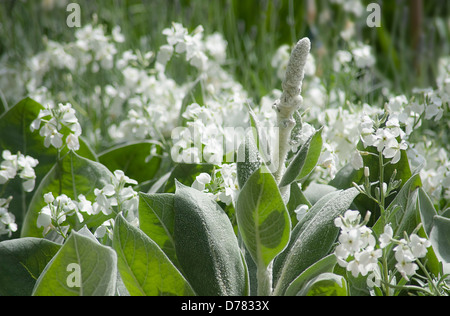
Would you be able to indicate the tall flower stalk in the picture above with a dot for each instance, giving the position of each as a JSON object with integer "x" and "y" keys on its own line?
{"x": 289, "y": 102}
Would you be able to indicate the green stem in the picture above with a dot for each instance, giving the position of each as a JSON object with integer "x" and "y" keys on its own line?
{"x": 385, "y": 273}
{"x": 380, "y": 157}
{"x": 264, "y": 277}
{"x": 430, "y": 280}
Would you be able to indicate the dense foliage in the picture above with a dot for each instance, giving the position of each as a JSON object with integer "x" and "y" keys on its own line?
{"x": 156, "y": 151}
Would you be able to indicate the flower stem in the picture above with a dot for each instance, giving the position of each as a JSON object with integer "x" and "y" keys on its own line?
{"x": 264, "y": 277}
{"x": 289, "y": 102}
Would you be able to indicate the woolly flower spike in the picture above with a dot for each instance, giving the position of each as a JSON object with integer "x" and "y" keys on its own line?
{"x": 290, "y": 101}
{"x": 296, "y": 68}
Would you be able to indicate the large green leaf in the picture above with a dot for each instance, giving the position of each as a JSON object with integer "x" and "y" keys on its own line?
{"x": 305, "y": 160}
{"x": 325, "y": 284}
{"x": 324, "y": 265}
{"x": 426, "y": 211}
{"x": 248, "y": 159}
{"x": 21, "y": 262}
{"x": 72, "y": 176}
{"x": 262, "y": 217}
{"x": 134, "y": 159}
{"x": 157, "y": 220}
{"x": 312, "y": 238}
{"x": 82, "y": 267}
{"x": 144, "y": 267}
{"x": 440, "y": 240}
{"x": 206, "y": 245}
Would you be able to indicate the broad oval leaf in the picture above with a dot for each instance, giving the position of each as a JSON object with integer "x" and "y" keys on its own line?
{"x": 325, "y": 284}
{"x": 144, "y": 267}
{"x": 440, "y": 240}
{"x": 426, "y": 211}
{"x": 248, "y": 159}
{"x": 262, "y": 217}
{"x": 82, "y": 267}
{"x": 206, "y": 245}
{"x": 22, "y": 260}
{"x": 312, "y": 238}
{"x": 157, "y": 220}
{"x": 325, "y": 264}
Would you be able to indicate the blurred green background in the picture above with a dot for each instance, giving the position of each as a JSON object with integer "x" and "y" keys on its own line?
{"x": 412, "y": 36}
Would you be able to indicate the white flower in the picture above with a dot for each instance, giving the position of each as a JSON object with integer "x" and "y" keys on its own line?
{"x": 72, "y": 142}
{"x": 357, "y": 160}
{"x": 18, "y": 164}
{"x": 396, "y": 104}
{"x": 350, "y": 239}
{"x": 201, "y": 181}
{"x": 175, "y": 34}
{"x": 393, "y": 125}
{"x": 164, "y": 54}
{"x": 386, "y": 236}
{"x": 52, "y": 135}
{"x": 117, "y": 35}
{"x": 383, "y": 136}
{"x": 105, "y": 200}
{"x": 54, "y": 119}
{"x": 49, "y": 198}
{"x": 45, "y": 217}
{"x": 357, "y": 242}
{"x": 418, "y": 245}
{"x": 85, "y": 205}
{"x": 355, "y": 267}
{"x": 105, "y": 228}
{"x": 363, "y": 56}
{"x": 393, "y": 149}
{"x": 7, "y": 219}
{"x": 8, "y": 167}
{"x": 122, "y": 179}
{"x": 405, "y": 264}
{"x": 216, "y": 46}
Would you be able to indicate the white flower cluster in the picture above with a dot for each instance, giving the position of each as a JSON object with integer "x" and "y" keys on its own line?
{"x": 359, "y": 254}
{"x": 55, "y": 119}
{"x": 180, "y": 41}
{"x": 406, "y": 252}
{"x": 154, "y": 100}
{"x": 21, "y": 165}
{"x": 7, "y": 220}
{"x": 223, "y": 186}
{"x": 55, "y": 213}
{"x": 112, "y": 195}
{"x": 360, "y": 54}
{"x": 357, "y": 243}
